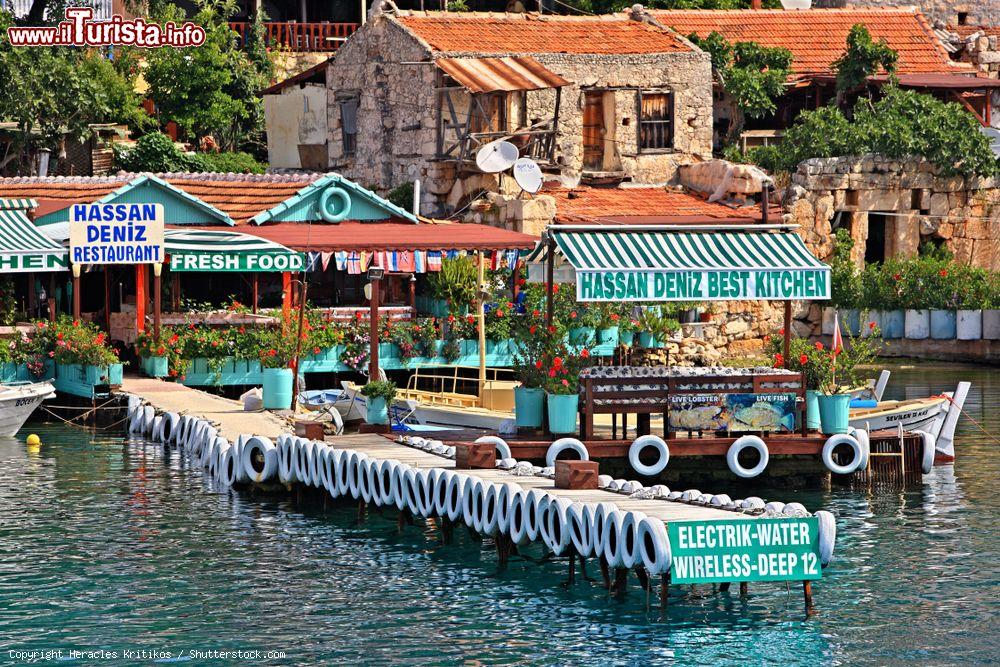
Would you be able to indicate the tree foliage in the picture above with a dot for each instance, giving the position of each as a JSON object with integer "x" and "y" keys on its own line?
{"x": 156, "y": 152}
{"x": 52, "y": 92}
{"x": 862, "y": 58}
{"x": 901, "y": 124}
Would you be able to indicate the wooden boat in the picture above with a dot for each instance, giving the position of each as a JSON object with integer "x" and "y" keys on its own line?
{"x": 18, "y": 401}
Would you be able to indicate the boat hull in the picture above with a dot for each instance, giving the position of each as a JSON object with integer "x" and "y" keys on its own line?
{"x": 911, "y": 415}
{"x": 17, "y": 402}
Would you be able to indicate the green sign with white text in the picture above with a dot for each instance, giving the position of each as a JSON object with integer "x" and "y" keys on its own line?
{"x": 236, "y": 261}
{"x": 704, "y": 552}
{"x": 23, "y": 263}
{"x": 708, "y": 285}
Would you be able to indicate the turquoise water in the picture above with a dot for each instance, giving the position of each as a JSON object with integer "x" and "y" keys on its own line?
{"x": 113, "y": 546}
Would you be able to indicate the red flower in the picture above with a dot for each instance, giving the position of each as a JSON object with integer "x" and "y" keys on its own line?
{"x": 943, "y": 273}
{"x": 552, "y": 329}
{"x": 572, "y": 315}
{"x": 41, "y": 325}
{"x": 470, "y": 319}
{"x": 803, "y": 360}
{"x": 552, "y": 373}
{"x": 499, "y": 313}
{"x": 781, "y": 332}
{"x": 451, "y": 318}
{"x": 614, "y": 317}
{"x": 272, "y": 352}
{"x": 555, "y": 289}
{"x": 315, "y": 350}
{"x": 535, "y": 313}
{"x": 243, "y": 330}
{"x": 779, "y": 358}
{"x": 173, "y": 339}
{"x": 871, "y": 326}
{"x": 59, "y": 336}
{"x": 897, "y": 276}
{"x": 538, "y": 364}
{"x": 532, "y": 329}
{"x": 565, "y": 382}
{"x": 99, "y": 338}
{"x": 357, "y": 315}
{"x": 585, "y": 353}
{"x": 52, "y": 354}
{"x": 557, "y": 362}
{"x": 160, "y": 351}
{"x": 76, "y": 323}
{"x": 510, "y": 304}
{"x": 819, "y": 345}
{"x": 191, "y": 326}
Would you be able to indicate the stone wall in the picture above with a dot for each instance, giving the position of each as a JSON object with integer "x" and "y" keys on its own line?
{"x": 397, "y": 136}
{"x": 979, "y": 12}
{"x": 921, "y": 205}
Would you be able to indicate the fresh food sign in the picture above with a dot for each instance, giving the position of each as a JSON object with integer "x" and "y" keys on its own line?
{"x": 785, "y": 549}
{"x": 702, "y": 285}
{"x": 116, "y": 234}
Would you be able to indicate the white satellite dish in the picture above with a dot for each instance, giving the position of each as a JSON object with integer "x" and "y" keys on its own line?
{"x": 496, "y": 156}
{"x": 796, "y": 4}
{"x": 528, "y": 175}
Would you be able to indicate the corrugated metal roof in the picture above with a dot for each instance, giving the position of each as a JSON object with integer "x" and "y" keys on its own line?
{"x": 488, "y": 75}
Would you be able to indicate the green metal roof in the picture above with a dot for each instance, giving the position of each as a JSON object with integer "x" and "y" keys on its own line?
{"x": 302, "y": 206}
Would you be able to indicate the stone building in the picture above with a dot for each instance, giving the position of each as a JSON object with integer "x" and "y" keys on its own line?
{"x": 955, "y": 12}
{"x": 413, "y": 95}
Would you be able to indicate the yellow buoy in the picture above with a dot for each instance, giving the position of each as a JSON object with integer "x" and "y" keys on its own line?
{"x": 34, "y": 440}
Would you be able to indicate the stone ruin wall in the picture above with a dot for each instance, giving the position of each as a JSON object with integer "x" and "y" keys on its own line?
{"x": 980, "y": 12}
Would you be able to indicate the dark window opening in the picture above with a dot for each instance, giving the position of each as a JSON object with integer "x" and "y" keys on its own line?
{"x": 349, "y": 125}
{"x": 875, "y": 245}
{"x": 963, "y": 18}
{"x": 656, "y": 121}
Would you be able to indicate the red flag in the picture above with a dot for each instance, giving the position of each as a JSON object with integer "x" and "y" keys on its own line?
{"x": 838, "y": 340}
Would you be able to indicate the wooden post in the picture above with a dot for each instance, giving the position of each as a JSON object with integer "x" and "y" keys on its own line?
{"x": 175, "y": 291}
{"x": 286, "y": 294}
{"x": 664, "y": 589}
{"x": 744, "y": 588}
{"x": 107, "y": 298}
{"x": 764, "y": 203}
{"x": 481, "y": 325}
{"x": 412, "y": 292}
{"x": 140, "y": 297}
{"x": 550, "y": 270}
{"x": 254, "y": 291}
{"x": 157, "y": 270}
{"x": 76, "y": 291}
{"x": 52, "y": 297}
{"x": 373, "y": 332}
{"x": 787, "y": 339}
{"x": 298, "y": 340}
{"x": 807, "y": 593}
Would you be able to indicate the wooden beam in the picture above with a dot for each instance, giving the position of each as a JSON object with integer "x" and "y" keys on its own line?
{"x": 373, "y": 333}
{"x": 965, "y": 103}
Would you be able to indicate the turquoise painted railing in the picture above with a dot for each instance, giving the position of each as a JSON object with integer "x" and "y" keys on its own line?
{"x": 80, "y": 379}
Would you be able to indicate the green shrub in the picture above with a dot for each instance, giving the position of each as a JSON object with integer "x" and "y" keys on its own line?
{"x": 236, "y": 163}
{"x": 156, "y": 152}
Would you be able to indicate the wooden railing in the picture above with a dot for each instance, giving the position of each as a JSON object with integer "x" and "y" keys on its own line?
{"x": 296, "y": 36}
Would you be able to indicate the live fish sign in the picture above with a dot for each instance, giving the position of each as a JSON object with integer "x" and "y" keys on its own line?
{"x": 116, "y": 234}
{"x": 785, "y": 549}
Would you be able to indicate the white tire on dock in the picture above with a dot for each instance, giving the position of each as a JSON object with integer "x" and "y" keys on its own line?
{"x": 259, "y": 459}
{"x": 538, "y": 502}
{"x": 368, "y": 491}
{"x": 704, "y": 499}
{"x": 631, "y": 487}
{"x": 563, "y": 445}
{"x": 660, "y": 490}
{"x": 616, "y": 485}
{"x": 229, "y": 466}
{"x": 720, "y": 500}
{"x": 417, "y": 441}
{"x": 795, "y": 508}
{"x": 156, "y": 434}
{"x": 827, "y": 536}
{"x": 284, "y": 451}
{"x": 644, "y": 442}
{"x": 506, "y": 492}
{"x": 733, "y": 454}
{"x": 427, "y": 490}
{"x": 580, "y": 520}
{"x": 399, "y": 486}
{"x": 170, "y": 421}
{"x": 503, "y": 449}
{"x": 148, "y": 416}
{"x": 409, "y": 490}
{"x": 604, "y": 480}
{"x": 441, "y": 492}
{"x": 134, "y": 404}
{"x": 481, "y": 492}
{"x": 357, "y": 476}
{"x": 385, "y": 482}
{"x": 316, "y": 466}
{"x": 631, "y": 551}
{"x": 611, "y": 536}
{"x": 929, "y": 450}
{"x": 674, "y": 495}
{"x": 456, "y": 494}
{"x": 559, "y": 534}
{"x": 517, "y": 517}
{"x": 326, "y": 473}
{"x": 598, "y": 516}
{"x": 775, "y": 506}
{"x": 691, "y": 495}
{"x": 858, "y": 457}
{"x": 489, "y": 520}
{"x": 753, "y": 503}
{"x": 654, "y": 546}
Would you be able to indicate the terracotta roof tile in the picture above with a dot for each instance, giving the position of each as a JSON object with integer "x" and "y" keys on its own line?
{"x": 586, "y": 204}
{"x": 241, "y": 196}
{"x": 817, "y": 37}
{"x": 450, "y": 32}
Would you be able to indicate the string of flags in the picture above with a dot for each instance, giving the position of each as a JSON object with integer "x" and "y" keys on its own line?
{"x": 401, "y": 261}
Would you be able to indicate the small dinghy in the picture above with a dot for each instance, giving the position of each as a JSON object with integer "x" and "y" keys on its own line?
{"x": 18, "y": 401}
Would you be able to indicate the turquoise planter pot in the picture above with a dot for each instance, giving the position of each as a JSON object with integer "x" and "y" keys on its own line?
{"x": 277, "y": 388}
{"x": 647, "y": 340}
{"x": 469, "y": 348}
{"x": 834, "y": 413}
{"x": 378, "y": 411}
{"x": 812, "y": 409}
{"x": 528, "y": 402}
{"x": 608, "y": 335}
{"x": 943, "y": 325}
{"x": 893, "y": 324}
{"x": 582, "y": 335}
{"x": 562, "y": 412}
{"x": 388, "y": 351}
{"x": 156, "y": 367}
{"x": 103, "y": 374}
{"x": 626, "y": 338}
{"x": 498, "y": 347}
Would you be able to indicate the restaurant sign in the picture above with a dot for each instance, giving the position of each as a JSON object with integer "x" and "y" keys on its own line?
{"x": 116, "y": 234}
{"x": 704, "y": 552}
{"x": 233, "y": 261}
{"x": 702, "y": 285}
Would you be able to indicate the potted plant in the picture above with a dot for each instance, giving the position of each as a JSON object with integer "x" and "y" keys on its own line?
{"x": 497, "y": 324}
{"x": 379, "y": 396}
{"x": 837, "y": 372}
{"x": 35, "y": 352}
{"x": 535, "y": 345}
{"x": 562, "y": 388}
{"x": 655, "y": 327}
{"x": 454, "y": 286}
{"x": 83, "y": 354}
{"x": 972, "y": 297}
{"x": 627, "y": 328}
{"x": 153, "y": 353}
{"x": 889, "y": 299}
{"x": 991, "y": 307}
{"x": 608, "y": 327}
{"x": 277, "y": 351}
{"x": 583, "y": 322}
{"x": 809, "y": 359}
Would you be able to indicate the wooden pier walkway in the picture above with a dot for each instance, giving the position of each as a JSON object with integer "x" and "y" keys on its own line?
{"x": 380, "y": 447}
{"x": 226, "y": 413}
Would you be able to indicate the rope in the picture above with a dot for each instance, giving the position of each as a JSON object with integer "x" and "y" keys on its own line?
{"x": 989, "y": 435}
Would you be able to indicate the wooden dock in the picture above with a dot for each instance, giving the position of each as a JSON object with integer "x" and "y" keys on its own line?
{"x": 380, "y": 447}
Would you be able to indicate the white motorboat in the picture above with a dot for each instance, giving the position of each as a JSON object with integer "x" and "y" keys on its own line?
{"x": 18, "y": 401}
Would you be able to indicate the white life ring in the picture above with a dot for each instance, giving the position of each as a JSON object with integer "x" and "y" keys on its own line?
{"x": 503, "y": 449}
{"x": 732, "y": 456}
{"x": 330, "y": 214}
{"x": 827, "y": 536}
{"x": 856, "y": 460}
{"x": 563, "y": 444}
{"x": 929, "y": 451}
{"x": 641, "y": 443}
{"x": 654, "y": 546}
{"x": 866, "y": 444}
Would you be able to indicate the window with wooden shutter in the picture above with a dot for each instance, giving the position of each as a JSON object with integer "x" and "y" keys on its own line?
{"x": 656, "y": 121}
{"x": 349, "y": 125}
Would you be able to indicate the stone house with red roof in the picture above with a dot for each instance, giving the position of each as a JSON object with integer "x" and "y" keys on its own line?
{"x": 414, "y": 95}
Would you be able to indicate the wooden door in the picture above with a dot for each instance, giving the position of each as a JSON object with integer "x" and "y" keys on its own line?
{"x": 593, "y": 131}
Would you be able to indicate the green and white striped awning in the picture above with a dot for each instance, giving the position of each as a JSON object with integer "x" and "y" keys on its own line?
{"x": 209, "y": 250}
{"x": 623, "y": 263}
{"x": 23, "y": 248}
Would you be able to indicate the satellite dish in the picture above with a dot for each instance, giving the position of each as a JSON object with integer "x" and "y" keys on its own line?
{"x": 528, "y": 175}
{"x": 796, "y": 4}
{"x": 496, "y": 156}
